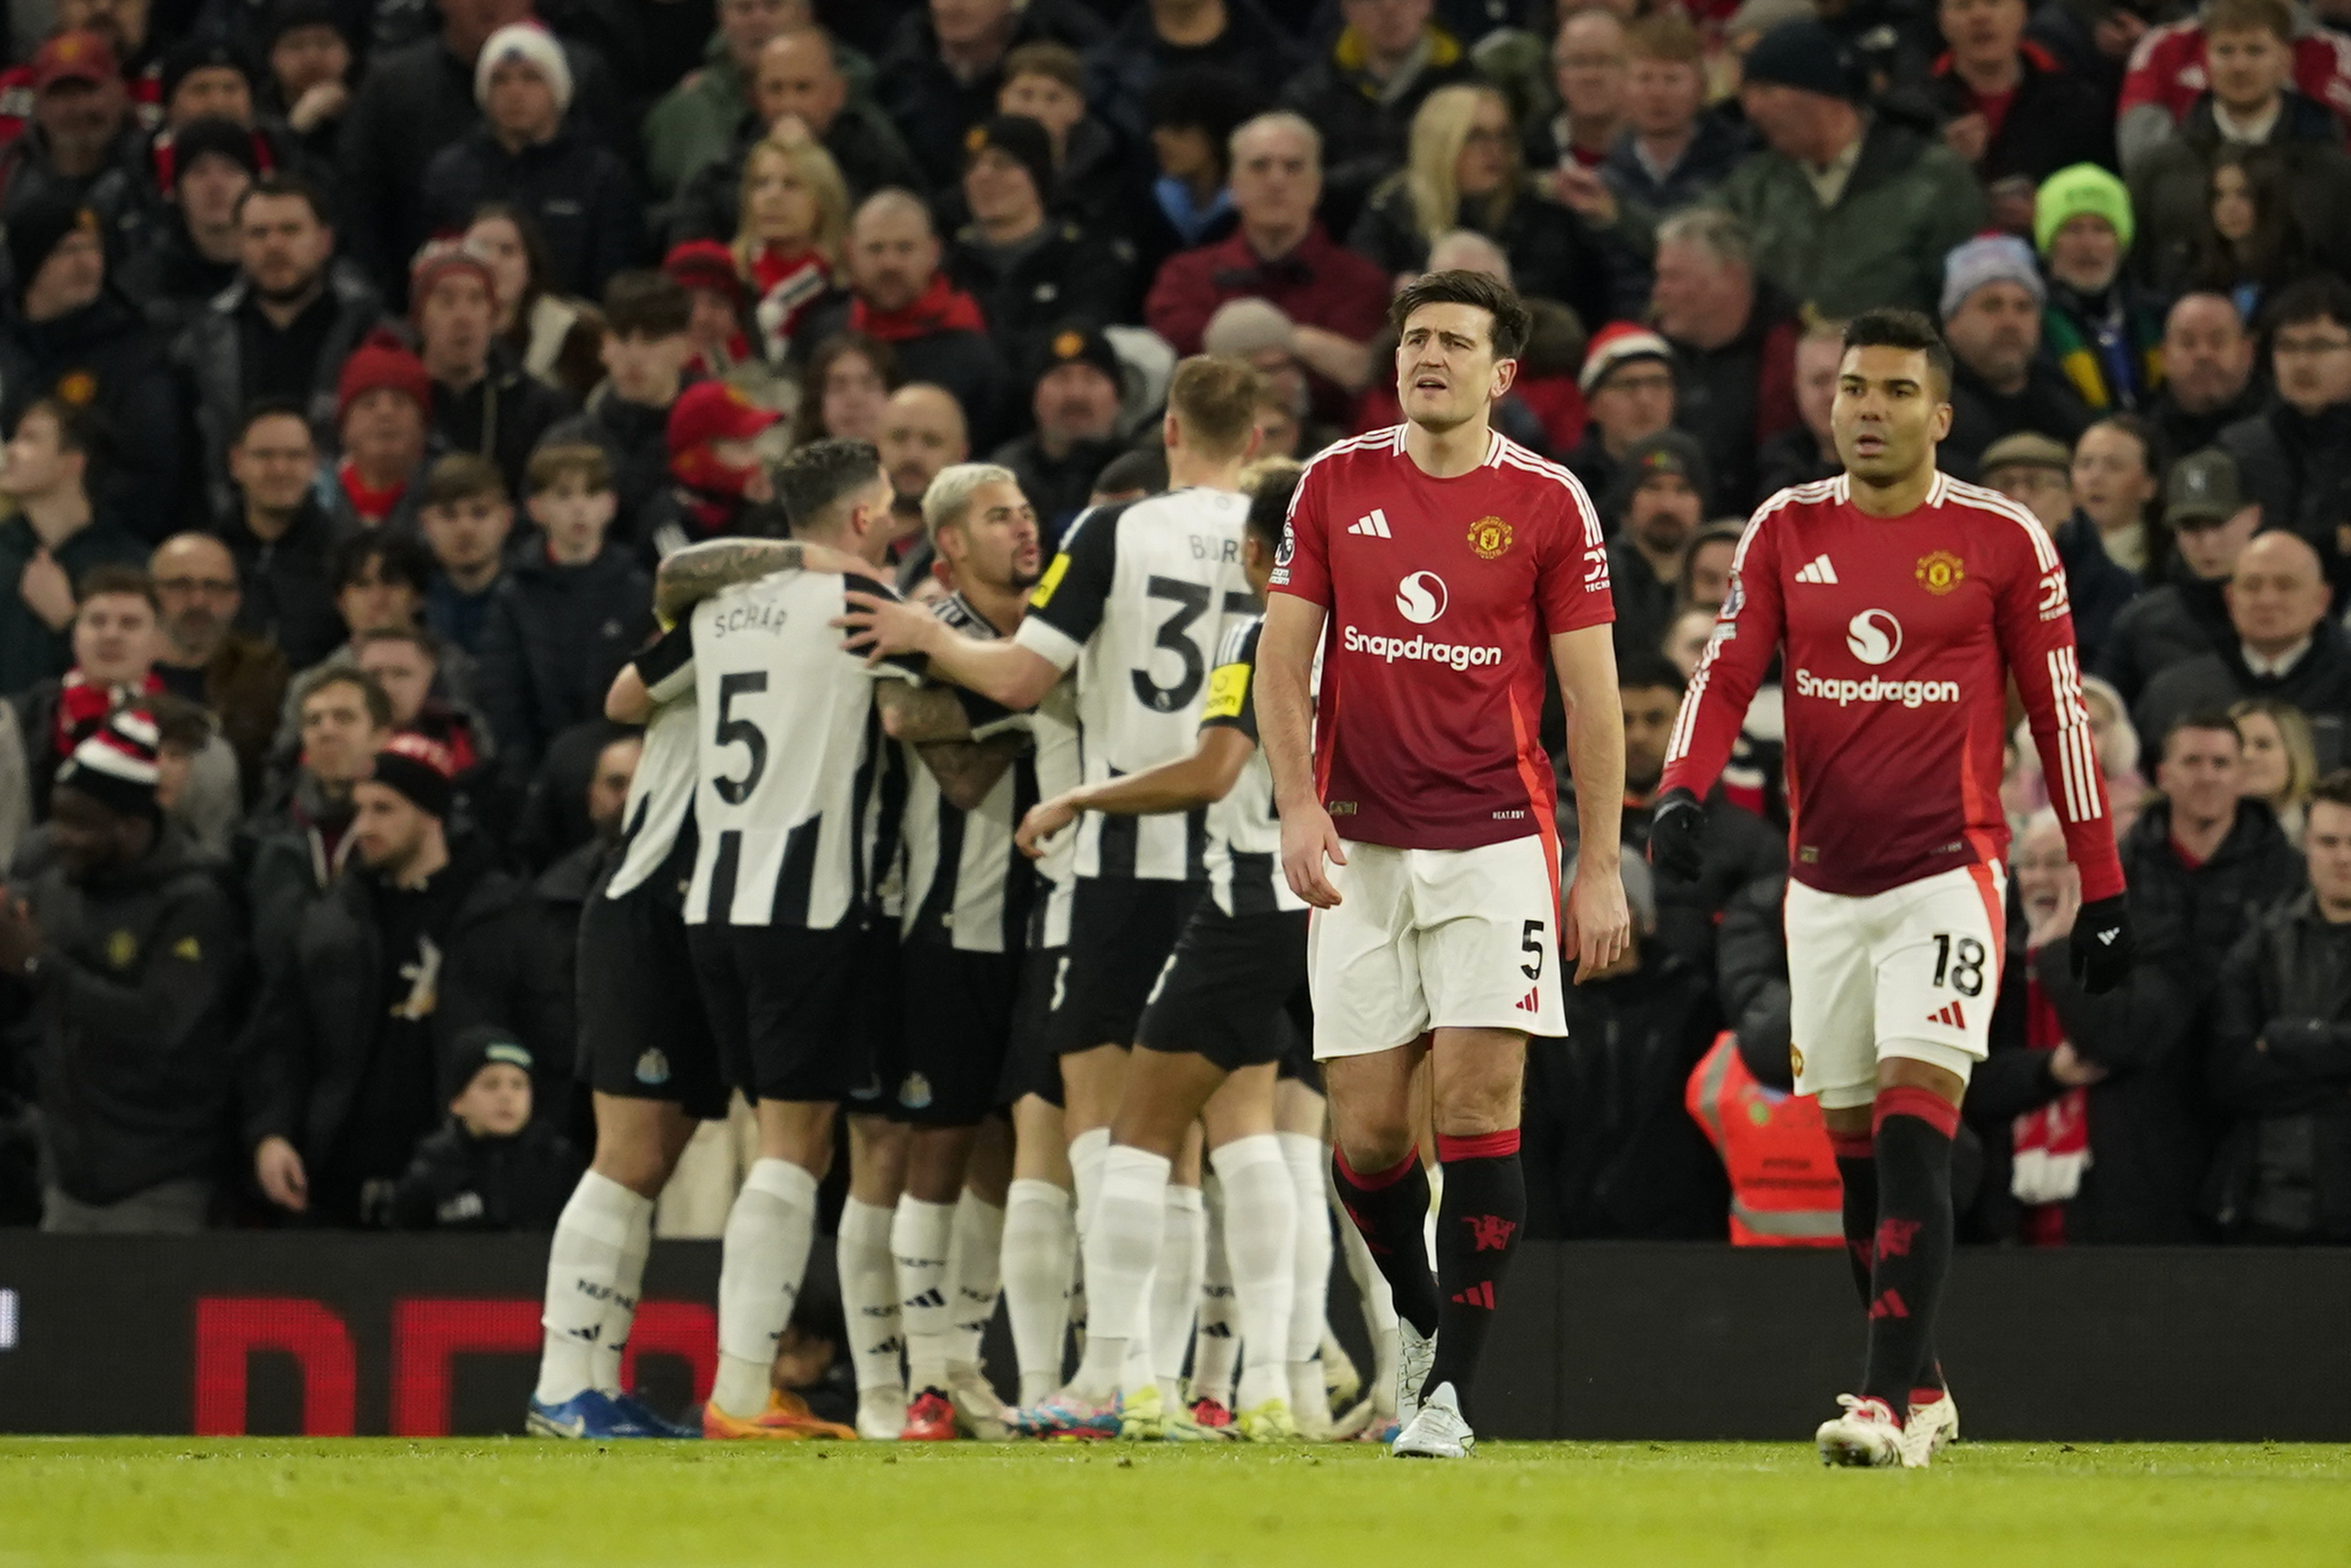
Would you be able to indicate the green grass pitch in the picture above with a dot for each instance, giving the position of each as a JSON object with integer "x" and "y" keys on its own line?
{"x": 496, "y": 1501}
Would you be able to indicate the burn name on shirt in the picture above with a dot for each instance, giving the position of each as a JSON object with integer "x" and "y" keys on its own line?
{"x": 1843, "y": 693}
{"x": 1418, "y": 650}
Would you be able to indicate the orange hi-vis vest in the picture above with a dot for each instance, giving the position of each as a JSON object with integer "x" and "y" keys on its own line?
{"x": 1784, "y": 1186}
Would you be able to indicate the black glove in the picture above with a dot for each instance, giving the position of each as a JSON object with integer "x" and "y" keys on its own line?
{"x": 2101, "y": 948}
{"x": 1676, "y": 832}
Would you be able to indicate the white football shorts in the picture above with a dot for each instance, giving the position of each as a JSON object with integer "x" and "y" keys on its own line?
{"x": 1436, "y": 939}
{"x": 1913, "y": 971}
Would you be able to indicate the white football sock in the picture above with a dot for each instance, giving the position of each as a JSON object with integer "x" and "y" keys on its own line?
{"x": 869, "y": 1296}
{"x": 586, "y": 1259}
{"x": 1379, "y": 1310}
{"x": 1040, "y": 1250}
{"x": 920, "y": 1235}
{"x": 622, "y": 1318}
{"x": 1216, "y": 1344}
{"x": 761, "y": 1261}
{"x": 1122, "y": 1249}
{"x": 1087, "y": 1152}
{"x": 1175, "y": 1289}
{"x": 1310, "y": 1162}
{"x": 975, "y": 1277}
{"x": 1261, "y": 1235}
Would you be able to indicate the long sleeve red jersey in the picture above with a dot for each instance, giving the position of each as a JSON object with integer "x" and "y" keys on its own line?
{"x": 1901, "y": 637}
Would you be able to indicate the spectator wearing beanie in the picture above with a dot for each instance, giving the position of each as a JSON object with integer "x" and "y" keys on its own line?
{"x": 283, "y": 329}
{"x": 714, "y": 471}
{"x": 497, "y": 1163}
{"x": 122, "y": 958}
{"x": 345, "y": 1059}
{"x": 2104, "y": 333}
{"x": 1074, "y": 400}
{"x": 383, "y": 420}
{"x": 1030, "y": 270}
{"x": 1848, "y": 212}
{"x": 194, "y": 250}
{"x": 483, "y": 402}
{"x": 1992, "y": 298}
{"x": 1658, "y": 501}
{"x": 211, "y": 78}
{"x": 525, "y": 155}
{"x": 308, "y": 81}
{"x": 82, "y": 144}
{"x": 1628, "y": 386}
{"x": 72, "y": 335}
{"x": 415, "y": 99}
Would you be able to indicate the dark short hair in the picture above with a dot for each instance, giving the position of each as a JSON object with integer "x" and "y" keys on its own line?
{"x": 1908, "y": 330}
{"x": 77, "y": 430}
{"x": 1144, "y": 469}
{"x": 393, "y": 556}
{"x": 2333, "y": 788}
{"x": 271, "y": 408}
{"x": 1270, "y": 503}
{"x": 180, "y": 724}
{"x": 643, "y": 302}
{"x": 312, "y": 682}
{"x": 1202, "y": 98}
{"x": 1646, "y": 669}
{"x": 554, "y": 461}
{"x": 2321, "y": 295}
{"x": 131, "y": 582}
{"x": 813, "y": 479}
{"x": 2212, "y": 720}
{"x": 287, "y": 185}
{"x": 1513, "y": 323}
{"x": 2274, "y": 16}
{"x": 462, "y": 476}
{"x": 415, "y": 637}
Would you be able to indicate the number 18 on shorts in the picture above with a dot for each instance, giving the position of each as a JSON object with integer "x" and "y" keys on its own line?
{"x": 1913, "y": 971}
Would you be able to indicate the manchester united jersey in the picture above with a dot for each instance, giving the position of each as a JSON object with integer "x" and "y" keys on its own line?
{"x": 1443, "y": 595}
{"x": 1901, "y": 635}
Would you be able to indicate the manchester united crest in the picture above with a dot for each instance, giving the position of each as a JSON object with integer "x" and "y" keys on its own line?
{"x": 1941, "y": 572}
{"x": 1490, "y": 538}
{"x": 1795, "y": 1060}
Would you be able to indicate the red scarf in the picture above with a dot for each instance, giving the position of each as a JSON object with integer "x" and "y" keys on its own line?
{"x": 2051, "y": 1145}
{"x": 372, "y": 505}
{"x": 82, "y": 706}
{"x": 942, "y": 309}
{"x": 789, "y": 282}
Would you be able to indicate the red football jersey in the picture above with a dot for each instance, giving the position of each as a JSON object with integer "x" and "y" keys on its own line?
{"x": 1443, "y": 595}
{"x": 2167, "y": 69}
{"x": 1902, "y": 634}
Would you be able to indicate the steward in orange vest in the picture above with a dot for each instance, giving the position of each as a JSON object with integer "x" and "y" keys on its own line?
{"x": 1784, "y": 1187}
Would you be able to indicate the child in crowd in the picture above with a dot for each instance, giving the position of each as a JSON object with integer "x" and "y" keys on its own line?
{"x": 491, "y": 1166}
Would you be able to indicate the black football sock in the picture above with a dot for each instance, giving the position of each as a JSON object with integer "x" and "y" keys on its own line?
{"x": 1478, "y": 1224}
{"x": 1912, "y": 1249}
{"x": 1857, "y": 1168}
{"x": 1390, "y": 1208}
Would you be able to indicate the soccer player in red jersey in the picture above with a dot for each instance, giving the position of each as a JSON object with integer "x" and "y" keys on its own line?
{"x": 1445, "y": 563}
{"x": 1903, "y": 604}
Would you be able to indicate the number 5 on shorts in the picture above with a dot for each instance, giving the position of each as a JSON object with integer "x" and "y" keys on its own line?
{"x": 1531, "y": 941}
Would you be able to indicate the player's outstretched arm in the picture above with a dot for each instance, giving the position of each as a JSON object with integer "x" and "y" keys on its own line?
{"x": 694, "y": 574}
{"x": 1202, "y": 779}
{"x": 1004, "y": 672}
{"x": 1597, "y": 924}
{"x": 1286, "y": 728}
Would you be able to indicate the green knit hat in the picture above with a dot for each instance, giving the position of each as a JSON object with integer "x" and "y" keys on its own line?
{"x": 2084, "y": 188}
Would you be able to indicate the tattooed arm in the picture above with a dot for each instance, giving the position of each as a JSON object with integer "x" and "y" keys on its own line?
{"x": 917, "y": 714}
{"x": 967, "y": 770}
{"x": 694, "y": 574}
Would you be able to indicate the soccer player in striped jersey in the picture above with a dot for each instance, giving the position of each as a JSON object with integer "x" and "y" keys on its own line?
{"x": 1135, "y": 604}
{"x": 1207, "y": 1045}
{"x": 646, "y": 1044}
{"x": 794, "y": 818}
{"x": 967, "y": 896}
{"x": 1903, "y": 606}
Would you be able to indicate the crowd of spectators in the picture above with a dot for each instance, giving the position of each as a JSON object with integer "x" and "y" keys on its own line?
{"x": 357, "y": 361}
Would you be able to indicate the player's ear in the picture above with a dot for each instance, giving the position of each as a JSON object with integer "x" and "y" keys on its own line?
{"x": 1506, "y": 373}
{"x": 1942, "y": 420}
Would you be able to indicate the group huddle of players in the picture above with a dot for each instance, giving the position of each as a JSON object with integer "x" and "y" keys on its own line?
{"x": 1224, "y": 844}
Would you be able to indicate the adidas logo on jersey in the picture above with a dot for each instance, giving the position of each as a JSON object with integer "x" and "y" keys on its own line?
{"x": 1950, "y": 1017}
{"x": 1374, "y": 525}
{"x": 1816, "y": 570}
